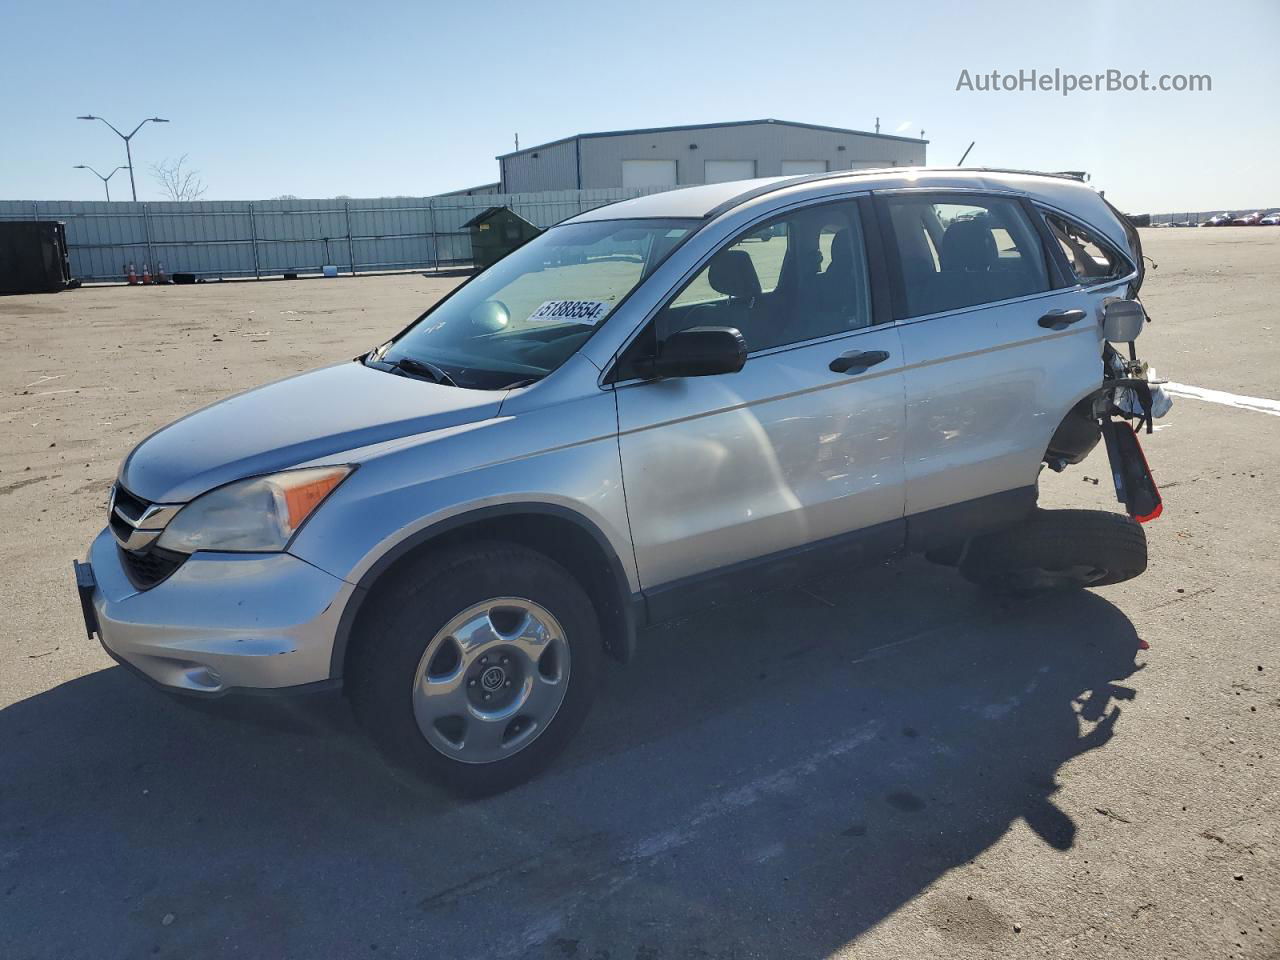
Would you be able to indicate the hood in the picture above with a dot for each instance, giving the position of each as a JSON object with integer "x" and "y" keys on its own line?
{"x": 294, "y": 421}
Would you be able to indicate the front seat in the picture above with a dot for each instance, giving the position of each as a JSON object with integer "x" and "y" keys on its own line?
{"x": 838, "y": 282}
{"x": 732, "y": 273}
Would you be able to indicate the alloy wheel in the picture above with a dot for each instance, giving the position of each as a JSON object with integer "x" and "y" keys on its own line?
{"x": 491, "y": 680}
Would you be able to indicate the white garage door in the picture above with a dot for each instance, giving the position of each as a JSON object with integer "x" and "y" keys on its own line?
{"x": 718, "y": 171}
{"x": 648, "y": 173}
{"x": 795, "y": 168}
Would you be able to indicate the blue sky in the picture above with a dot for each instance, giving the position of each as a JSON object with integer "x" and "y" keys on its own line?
{"x": 317, "y": 99}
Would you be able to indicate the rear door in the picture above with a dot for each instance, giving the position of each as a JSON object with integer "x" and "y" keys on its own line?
{"x": 787, "y": 454}
{"x": 997, "y": 344}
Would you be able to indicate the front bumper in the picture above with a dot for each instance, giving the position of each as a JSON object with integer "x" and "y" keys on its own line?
{"x": 221, "y": 622}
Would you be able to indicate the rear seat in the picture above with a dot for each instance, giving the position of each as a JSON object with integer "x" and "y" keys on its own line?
{"x": 972, "y": 271}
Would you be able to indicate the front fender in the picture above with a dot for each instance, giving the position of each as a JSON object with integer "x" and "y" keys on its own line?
{"x": 614, "y": 596}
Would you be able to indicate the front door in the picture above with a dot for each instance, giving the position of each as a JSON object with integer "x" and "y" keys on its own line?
{"x": 788, "y": 453}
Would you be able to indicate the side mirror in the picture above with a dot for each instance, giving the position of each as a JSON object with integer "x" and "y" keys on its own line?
{"x": 1122, "y": 320}
{"x": 700, "y": 352}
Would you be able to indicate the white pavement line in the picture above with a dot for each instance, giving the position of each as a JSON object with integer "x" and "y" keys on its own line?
{"x": 738, "y": 799}
{"x": 621, "y": 872}
{"x": 1260, "y": 404}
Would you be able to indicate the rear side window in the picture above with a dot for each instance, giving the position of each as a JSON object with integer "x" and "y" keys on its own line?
{"x": 1090, "y": 258}
{"x": 955, "y": 252}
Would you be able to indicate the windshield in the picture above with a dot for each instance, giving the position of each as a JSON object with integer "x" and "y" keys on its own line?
{"x": 529, "y": 312}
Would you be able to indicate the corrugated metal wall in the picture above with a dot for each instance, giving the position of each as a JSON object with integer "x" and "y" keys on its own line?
{"x": 229, "y": 238}
{"x": 557, "y": 166}
{"x": 552, "y": 167}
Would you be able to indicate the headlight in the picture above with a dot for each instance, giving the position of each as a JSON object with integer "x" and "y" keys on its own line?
{"x": 258, "y": 514}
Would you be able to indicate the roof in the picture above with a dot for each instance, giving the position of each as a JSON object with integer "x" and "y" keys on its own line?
{"x": 704, "y": 202}
{"x": 488, "y": 212}
{"x": 682, "y": 202}
{"x": 709, "y": 126}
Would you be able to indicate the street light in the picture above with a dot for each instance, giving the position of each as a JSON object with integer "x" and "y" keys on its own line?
{"x": 105, "y": 185}
{"x": 127, "y": 152}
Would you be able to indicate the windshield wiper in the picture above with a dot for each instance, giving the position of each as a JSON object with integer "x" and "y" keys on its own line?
{"x": 419, "y": 368}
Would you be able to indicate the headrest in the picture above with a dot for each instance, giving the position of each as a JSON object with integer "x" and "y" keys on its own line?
{"x": 733, "y": 274}
{"x": 841, "y": 250}
{"x": 968, "y": 245}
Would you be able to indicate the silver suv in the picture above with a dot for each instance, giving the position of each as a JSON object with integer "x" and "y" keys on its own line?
{"x": 649, "y": 407}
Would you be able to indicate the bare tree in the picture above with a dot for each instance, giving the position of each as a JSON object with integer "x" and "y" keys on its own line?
{"x": 177, "y": 180}
{"x": 286, "y": 196}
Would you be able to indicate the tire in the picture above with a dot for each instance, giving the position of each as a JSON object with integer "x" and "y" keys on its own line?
{"x": 1057, "y": 550}
{"x": 506, "y": 603}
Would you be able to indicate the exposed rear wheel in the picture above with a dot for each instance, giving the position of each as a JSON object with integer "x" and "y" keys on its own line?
{"x": 1058, "y": 550}
{"x": 477, "y": 666}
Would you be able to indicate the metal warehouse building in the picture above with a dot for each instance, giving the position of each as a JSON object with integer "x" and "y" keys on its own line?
{"x": 701, "y": 153}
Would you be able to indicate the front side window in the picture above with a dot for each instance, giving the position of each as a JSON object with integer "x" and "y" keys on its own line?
{"x": 797, "y": 277}
{"x": 529, "y": 312}
{"x": 962, "y": 251}
{"x": 1090, "y": 258}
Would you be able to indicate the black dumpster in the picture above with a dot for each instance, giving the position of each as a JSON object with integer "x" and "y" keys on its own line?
{"x": 495, "y": 232}
{"x": 33, "y": 256}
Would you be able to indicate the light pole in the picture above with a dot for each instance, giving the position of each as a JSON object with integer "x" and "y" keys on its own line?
{"x": 127, "y": 152}
{"x": 105, "y": 184}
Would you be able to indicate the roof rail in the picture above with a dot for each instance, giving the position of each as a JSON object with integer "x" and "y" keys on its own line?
{"x": 1079, "y": 176}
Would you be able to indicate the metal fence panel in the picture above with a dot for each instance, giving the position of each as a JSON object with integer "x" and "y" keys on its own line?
{"x": 229, "y": 238}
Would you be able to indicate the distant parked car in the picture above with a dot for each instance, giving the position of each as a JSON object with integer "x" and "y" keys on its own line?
{"x": 1221, "y": 220}
{"x": 1270, "y": 220}
{"x": 1247, "y": 219}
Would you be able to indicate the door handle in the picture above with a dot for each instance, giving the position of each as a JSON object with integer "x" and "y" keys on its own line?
{"x": 856, "y": 361}
{"x": 1061, "y": 319}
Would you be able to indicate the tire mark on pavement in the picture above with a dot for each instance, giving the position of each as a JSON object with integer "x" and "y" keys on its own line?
{"x": 9, "y": 488}
{"x": 1179, "y": 599}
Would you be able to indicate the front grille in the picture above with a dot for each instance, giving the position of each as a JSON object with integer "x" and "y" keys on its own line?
{"x": 132, "y": 506}
{"x": 119, "y": 528}
{"x": 146, "y": 568}
{"x": 137, "y": 524}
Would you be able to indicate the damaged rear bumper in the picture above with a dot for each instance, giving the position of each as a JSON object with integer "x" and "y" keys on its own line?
{"x": 1135, "y": 486}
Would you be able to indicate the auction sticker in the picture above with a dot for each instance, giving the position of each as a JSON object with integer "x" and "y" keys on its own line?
{"x": 589, "y": 312}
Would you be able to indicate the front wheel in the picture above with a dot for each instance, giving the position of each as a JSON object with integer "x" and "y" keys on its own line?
{"x": 477, "y": 666}
{"x": 1057, "y": 550}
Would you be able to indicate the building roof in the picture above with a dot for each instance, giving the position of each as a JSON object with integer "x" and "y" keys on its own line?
{"x": 488, "y": 212}
{"x": 708, "y": 126}
{"x": 465, "y": 191}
